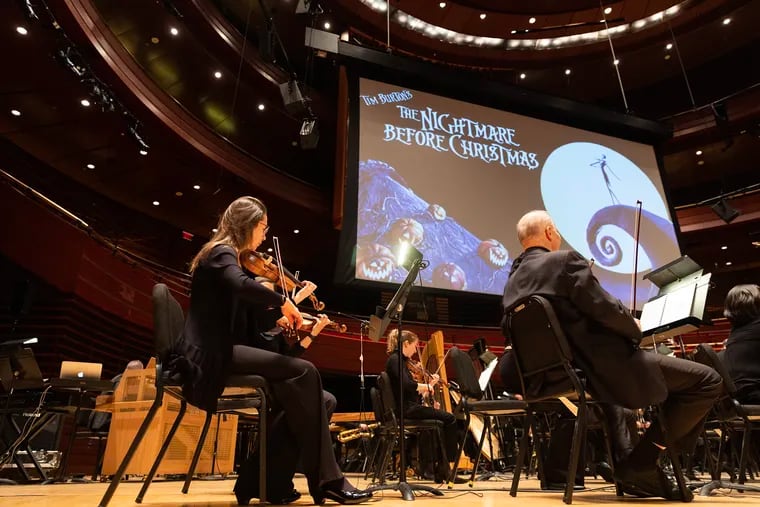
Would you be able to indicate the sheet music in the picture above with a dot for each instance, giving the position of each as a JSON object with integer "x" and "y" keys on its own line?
{"x": 485, "y": 376}
{"x": 651, "y": 313}
{"x": 678, "y": 304}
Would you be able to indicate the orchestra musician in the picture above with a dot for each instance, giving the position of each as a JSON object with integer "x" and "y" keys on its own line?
{"x": 414, "y": 391}
{"x": 605, "y": 340}
{"x": 209, "y": 350}
{"x": 742, "y": 356}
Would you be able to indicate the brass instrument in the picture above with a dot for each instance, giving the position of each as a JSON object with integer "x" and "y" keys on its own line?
{"x": 365, "y": 430}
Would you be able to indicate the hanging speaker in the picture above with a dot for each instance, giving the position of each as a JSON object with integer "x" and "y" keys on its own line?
{"x": 725, "y": 211}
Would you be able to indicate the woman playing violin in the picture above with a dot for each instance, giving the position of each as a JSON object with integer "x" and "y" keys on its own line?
{"x": 209, "y": 350}
{"x": 414, "y": 392}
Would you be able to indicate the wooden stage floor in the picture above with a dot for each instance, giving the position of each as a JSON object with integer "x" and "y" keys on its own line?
{"x": 485, "y": 494}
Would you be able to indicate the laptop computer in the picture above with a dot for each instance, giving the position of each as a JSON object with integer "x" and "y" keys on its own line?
{"x": 75, "y": 370}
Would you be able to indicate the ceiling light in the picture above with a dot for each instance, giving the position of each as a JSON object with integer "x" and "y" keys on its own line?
{"x": 567, "y": 72}
{"x": 218, "y": 75}
{"x": 442, "y": 5}
{"x": 296, "y": 231}
{"x": 269, "y": 249}
{"x": 143, "y": 152}
{"x": 728, "y": 263}
{"x": 532, "y": 20}
{"x": 615, "y": 61}
{"x": 15, "y": 112}
{"x": 21, "y": 30}
{"x": 699, "y": 152}
{"x": 196, "y": 187}
{"x": 178, "y": 194}
{"x": 726, "y": 21}
{"x": 756, "y": 244}
{"x": 724, "y": 247}
{"x": 327, "y": 25}
{"x": 482, "y": 15}
{"x": 700, "y": 162}
{"x": 668, "y": 46}
{"x": 215, "y": 230}
{"x": 156, "y": 203}
{"x": 85, "y": 102}
{"x": 513, "y": 32}
{"x": 608, "y": 10}
{"x": 174, "y": 31}
{"x": 667, "y": 57}
{"x": 260, "y": 107}
{"x": 90, "y": 166}
{"x": 522, "y": 76}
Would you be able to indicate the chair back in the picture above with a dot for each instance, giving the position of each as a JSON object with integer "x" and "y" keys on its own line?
{"x": 387, "y": 399}
{"x": 168, "y": 320}
{"x": 725, "y": 406}
{"x": 542, "y": 352}
{"x": 466, "y": 376}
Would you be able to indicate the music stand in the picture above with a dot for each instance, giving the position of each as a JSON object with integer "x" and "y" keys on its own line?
{"x": 378, "y": 323}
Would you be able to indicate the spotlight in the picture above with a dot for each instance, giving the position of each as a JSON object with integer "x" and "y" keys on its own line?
{"x": 725, "y": 211}
{"x": 295, "y": 102}
{"x": 309, "y": 133}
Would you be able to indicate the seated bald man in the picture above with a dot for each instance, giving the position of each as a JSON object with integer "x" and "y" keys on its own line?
{"x": 605, "y": 340}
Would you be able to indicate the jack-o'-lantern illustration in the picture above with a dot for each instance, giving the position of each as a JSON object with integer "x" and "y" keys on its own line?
{"x": 375, "y": 262}
{"x": 448, "y": 275}
{"x": 493, "y": 253}
{"x": 407, "y": 230}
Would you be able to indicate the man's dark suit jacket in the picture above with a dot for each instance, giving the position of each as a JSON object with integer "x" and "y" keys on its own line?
{"x": 603, "y": 334}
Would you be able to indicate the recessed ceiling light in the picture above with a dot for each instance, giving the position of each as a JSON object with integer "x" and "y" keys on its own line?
{"x": 178, "y": 194}
{"x": 15, "y": 112}
{"x": 174, "y": 31}
{"x": 513, "y": 32}
{"x": 726, "y": 21}
{"x": 724, "y": 247}
{"x": 608, "y": 10}
{"x": 615, "y": 62}
{"x": 214, "y": 230}
{"x": 155, "y": 40}
{"x": 442, "y": 5}
{"x": 85, "y": 102}
{"x": 482, "y": 15}
{"x": 21, "y": 30}
{"x": 90, "y": 166}
{"x": 532, "y": 20}
{"x": 143, "y": 152}
{"x": 668, "y": 46}
{"x": 567, "y": 72}
{"x": 218, "y": 75}
{"x": 269, "y": 249}
{"x": 700, "y": 162}
{"x": 261, "y": 107}
{"x": 196, "y": 187}
{"x": 327, "y": 25}
{"x": 156, "y": 203}
{"x": 667, "y": 57}
{"x": 522, "y": 75}
{"x": 296, "y": 231}
{"x": 728, "y": 263}
{"x": 756, "y": 244}
{"x": 699, "y": 152}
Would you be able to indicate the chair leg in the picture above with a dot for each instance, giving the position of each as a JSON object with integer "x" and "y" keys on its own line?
{"x": 522, "y": 452}
{"x": 133, "y": 446}
{"x": 608, "y": 447}
{"x": 744, "y": 451}
{"x": 460, "y": 450}
{"x": 480, "y": 452}
{"x": 197, "y": 453}
{"x": 161, "y": 452}
{"x": 579, "y": 433}
{"x": 263, "y": 411}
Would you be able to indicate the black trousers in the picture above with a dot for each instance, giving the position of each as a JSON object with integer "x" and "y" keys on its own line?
{"x": 298, "y": 423}
{"x": 450, "y": 435}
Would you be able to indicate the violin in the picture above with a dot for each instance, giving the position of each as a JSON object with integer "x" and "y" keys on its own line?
{"x": 309, "y": 321}
{"x": 265, "y": 266}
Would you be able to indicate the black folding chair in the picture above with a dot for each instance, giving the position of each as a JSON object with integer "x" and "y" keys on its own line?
{"x": 168, "y": 322}
{"x": 544, "y": 362}
{"x": 472, "y": 404}
{"x": 733, "y": 417}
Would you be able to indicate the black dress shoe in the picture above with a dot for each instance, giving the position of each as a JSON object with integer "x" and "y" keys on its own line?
{"x": 650, "y": 483}
{"x": 342, "y": 496}
{"x": 560, "y": 486}
{"x": 244, "y": 499}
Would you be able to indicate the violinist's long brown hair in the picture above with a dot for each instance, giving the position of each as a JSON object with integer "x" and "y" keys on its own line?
{"x": 406, "y": 336}
{"x": 235, "y": 227}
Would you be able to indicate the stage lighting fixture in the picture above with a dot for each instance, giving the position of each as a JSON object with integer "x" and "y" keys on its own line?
{"x": 294, "y": 100}
{"x": 725, "y": 211}
{"x": 309, "y": 134}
